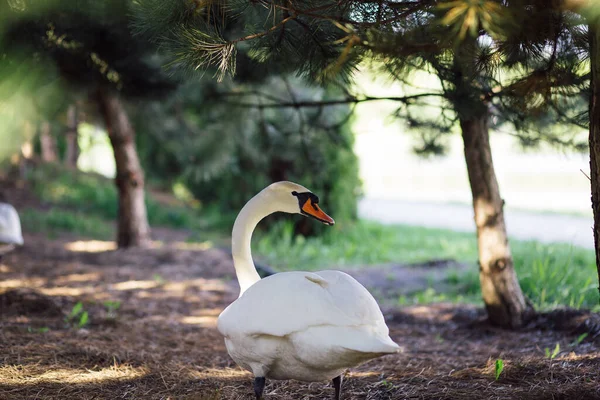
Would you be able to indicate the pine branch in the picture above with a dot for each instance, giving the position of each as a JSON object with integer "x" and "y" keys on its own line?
{"x": 324, "y": 103}
{"x": 261, "y": 34}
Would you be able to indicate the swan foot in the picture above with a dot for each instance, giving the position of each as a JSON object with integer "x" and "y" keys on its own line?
{"x": 337, "y": 384}
{"x": 259, "y": 387}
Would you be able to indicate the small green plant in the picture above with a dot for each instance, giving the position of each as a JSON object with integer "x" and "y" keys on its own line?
{"x": 78, "y": 317}
{"x": 43, "y": 329}
{"x": 158, "y": 279}
{"x": 387, "y": 384}
{"x": 499, "y": 367}
{"x": 111, "y": 308}
{"x": 554, "y": 353}
{"x": 579, "y": 339}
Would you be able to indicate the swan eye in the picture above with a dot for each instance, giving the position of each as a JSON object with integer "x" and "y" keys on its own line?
{"x": 294, "y": 193}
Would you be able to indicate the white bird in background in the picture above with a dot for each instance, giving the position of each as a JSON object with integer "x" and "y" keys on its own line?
{"x": 10, "y": 229}
{"x": 308, "y": 326}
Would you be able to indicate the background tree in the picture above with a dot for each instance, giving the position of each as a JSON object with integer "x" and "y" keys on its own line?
{"x": 594, "y": 137}
{"x": 492, "y": 59}
{"x": 92, "y": 48}
{"x": 214, "y": 140}
{"x": 230, "y": 145}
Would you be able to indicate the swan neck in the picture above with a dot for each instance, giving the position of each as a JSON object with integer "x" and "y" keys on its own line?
{"x": 241, "y": 237}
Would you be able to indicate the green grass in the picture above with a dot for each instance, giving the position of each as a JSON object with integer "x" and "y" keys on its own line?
{"x": 55, "y": 221}
{"x": 361, "y": 243}
{"x": 550, "y": 275}
{"x": 74, "y": 195}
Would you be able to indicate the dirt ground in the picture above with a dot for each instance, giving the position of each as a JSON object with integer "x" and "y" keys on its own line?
{"x": 162, "y": 342}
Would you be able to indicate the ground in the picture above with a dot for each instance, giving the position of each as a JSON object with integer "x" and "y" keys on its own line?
{"x": 151, "y": 335}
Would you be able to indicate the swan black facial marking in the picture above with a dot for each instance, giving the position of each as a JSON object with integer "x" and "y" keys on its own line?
{"x": 303, "y": 198}
{"x": 314, "y": 200}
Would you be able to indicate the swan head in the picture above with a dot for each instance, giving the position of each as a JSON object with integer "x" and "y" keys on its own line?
{"x": 292, "y": 198}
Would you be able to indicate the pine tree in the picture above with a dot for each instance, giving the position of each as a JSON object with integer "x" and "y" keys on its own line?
{"x": 214, "y": 139}
{"x": 91, "y": 46}
{"x": 594, "y": 137}
{"x": 469, "y": 46}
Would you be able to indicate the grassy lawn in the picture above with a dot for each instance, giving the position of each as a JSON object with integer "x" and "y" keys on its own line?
{"x": 551, "y": 275}
{"x": 80, "y": 201}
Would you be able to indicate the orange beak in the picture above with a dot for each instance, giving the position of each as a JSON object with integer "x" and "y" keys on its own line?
{"x": 310, "y": 208}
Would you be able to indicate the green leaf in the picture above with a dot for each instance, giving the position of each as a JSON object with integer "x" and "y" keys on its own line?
{"x": 499, "y": 367}
{"x": 76, "y": 310}
{"x": 579, "y": 339}
{"x": 556, "y": 351}
{"x": 83, "y": 319}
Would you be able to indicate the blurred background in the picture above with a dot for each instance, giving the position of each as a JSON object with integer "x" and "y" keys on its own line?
{"x": 95, "y": 94}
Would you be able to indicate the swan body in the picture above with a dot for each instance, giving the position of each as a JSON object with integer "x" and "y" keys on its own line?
{"x": 307, "y": 326}
{"x": 10, "y": 228}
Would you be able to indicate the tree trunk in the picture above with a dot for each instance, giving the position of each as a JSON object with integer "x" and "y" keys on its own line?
{"x": 72, "y": 152}
{"x": 47, "y": 143}
{"x": 501, "y": 292}
{"x": 594, "y": 110}
{"x": 133, "y": 229}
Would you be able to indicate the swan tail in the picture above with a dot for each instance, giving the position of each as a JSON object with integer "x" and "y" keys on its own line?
{"x": 330, "y": 347}
{"x": 377, "y": 345}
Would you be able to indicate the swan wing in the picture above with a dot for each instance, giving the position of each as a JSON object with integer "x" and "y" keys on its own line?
{"x": 290, "y": 302}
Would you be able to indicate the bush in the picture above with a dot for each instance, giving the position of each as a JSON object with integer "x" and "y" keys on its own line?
{"x": 307, "y": 146}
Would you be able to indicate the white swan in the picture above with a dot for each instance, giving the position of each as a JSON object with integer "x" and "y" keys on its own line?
{"x": 308, "y": 326}
{"x": 10, "y": 228}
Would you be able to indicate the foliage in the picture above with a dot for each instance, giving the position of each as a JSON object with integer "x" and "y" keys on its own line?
{"x": 579, "y": 339}
{"x": 498, "y": 368}
{"x": 95, "y": 197}
{"x": 78, "y": 317}
{"x": 89, "y": 43}
{"x": 225, "y": 150}
{"x": 552, "y": 354}
{"x": 28, "y": 93}
{"x": 551, "y": 275}
{"x": 53, "y": 52}
{"x": 213, "y": 34}
{"x": 111, "y": 308}
{"x": 525, "y": 61}
{"x": 56, "y": 220}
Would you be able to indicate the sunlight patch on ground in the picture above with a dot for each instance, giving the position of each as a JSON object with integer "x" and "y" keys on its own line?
{"x": 131, "y": 285}
{"x": 201, "y": 283}
{"x": 205, "y": 321}
{"x": 90, "y": 246}
{"x": 25, "y": 374}
{"x": 219, "y": 373}
{"x": 194, "y": 246}
{"x": 426, "y": 312}
{"x": 99, "y": 246}
{"x": 92, "y": 276}
{"x": 5, "y": 269}
{"x": 364, "y": 374}
{"x": 20, "y": 283}
{"x": 67, "y": 291}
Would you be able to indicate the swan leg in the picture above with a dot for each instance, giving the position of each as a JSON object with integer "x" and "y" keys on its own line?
{"x": 337, "y": 384}
{"x": 259, "y": 386}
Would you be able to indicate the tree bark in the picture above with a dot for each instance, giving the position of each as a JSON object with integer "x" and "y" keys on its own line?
{"x": 594, "y": 139}
{"x": 501, "y": 292}
{"x": 133, "y": 228}
{"x": 47, "y": 143}
{"x": 72, "y": 152}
